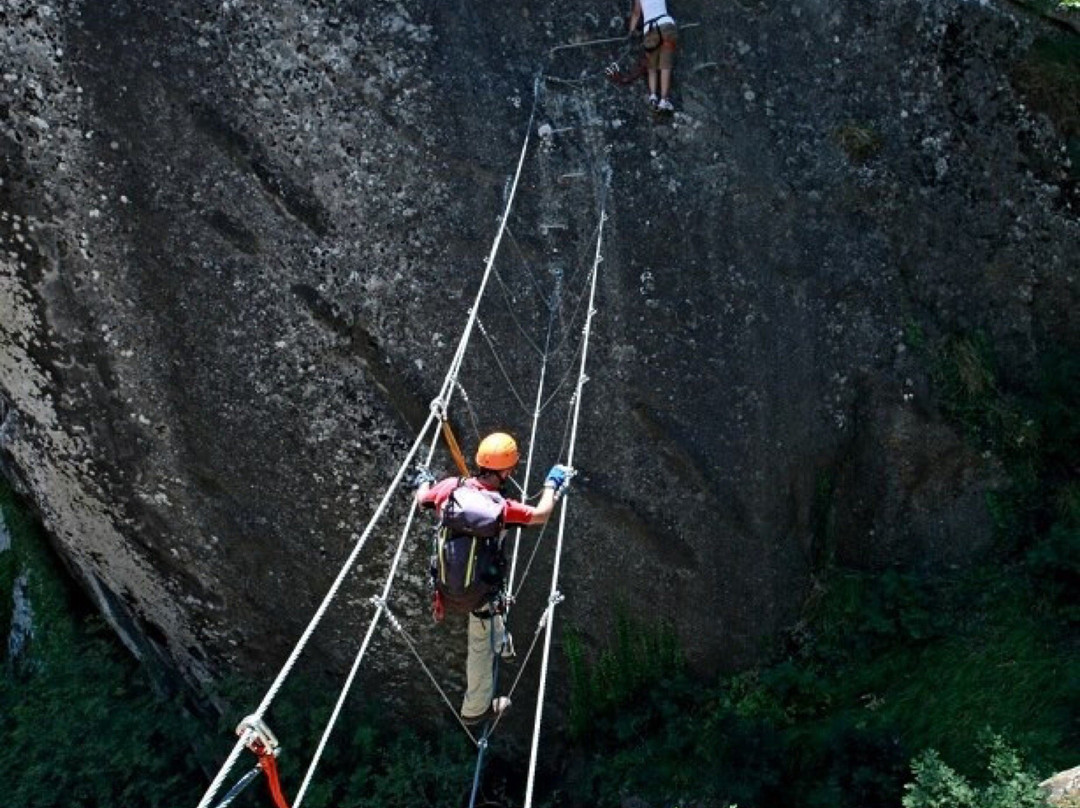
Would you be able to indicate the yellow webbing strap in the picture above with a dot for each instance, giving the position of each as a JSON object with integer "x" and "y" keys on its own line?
{"x": 471, "y": 566}
{"x": 455, "y": 449}
{"x": 442, "y": 557}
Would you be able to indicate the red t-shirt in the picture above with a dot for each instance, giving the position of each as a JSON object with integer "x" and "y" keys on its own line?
{"x": 514, "y": 512}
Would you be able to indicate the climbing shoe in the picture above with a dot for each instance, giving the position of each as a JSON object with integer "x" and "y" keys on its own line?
{"x": 665, "y": 105}
{"x": 499, "y": 705}
{"x": 653, "y": 101}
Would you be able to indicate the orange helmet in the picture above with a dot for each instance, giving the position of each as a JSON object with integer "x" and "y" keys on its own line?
{"x": 497, "y": 452}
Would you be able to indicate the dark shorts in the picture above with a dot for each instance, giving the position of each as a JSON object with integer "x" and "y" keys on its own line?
{"x": 661, "y": 42}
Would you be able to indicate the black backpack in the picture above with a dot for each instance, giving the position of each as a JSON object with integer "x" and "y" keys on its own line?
{"x": 468, "y": 563}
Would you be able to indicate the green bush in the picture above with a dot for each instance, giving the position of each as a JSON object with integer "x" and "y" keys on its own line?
{"x": 639, "y": 657}
{"x": 370, "y": 760}
{"x": 83, "y": 725}
{"x": 1007, "y": 783}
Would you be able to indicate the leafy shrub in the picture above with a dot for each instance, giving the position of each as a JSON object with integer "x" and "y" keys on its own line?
{"x": 83, "y": 725}
{"x": 1055, "y": 561}
{"x": 1008, "y": 783}
{"x": 639, "y": 657}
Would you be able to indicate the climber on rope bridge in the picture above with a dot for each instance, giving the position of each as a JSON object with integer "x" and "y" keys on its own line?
{"x": 468, "y": 563}
{"x": 660, "y": 37}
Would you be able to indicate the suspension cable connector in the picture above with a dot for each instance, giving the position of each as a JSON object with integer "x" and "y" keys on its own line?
{"x": 257, "y": 736}
{"x": 438, "y": 406}
{"x": 381, "y": 604}
{"x": 553, "y": 601}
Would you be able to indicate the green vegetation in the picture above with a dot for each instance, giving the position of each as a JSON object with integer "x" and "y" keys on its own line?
{"x": 888, "y": 675}
{"x": 82, "y": 723}
{"x": 957, "y": 689}
{"x": 636, "y": 659}
{"x": 884, "y": 667}
{"x": 1008, "y": 783}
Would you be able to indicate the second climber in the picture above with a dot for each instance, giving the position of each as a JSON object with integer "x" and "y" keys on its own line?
{"x": 660, "y": 36}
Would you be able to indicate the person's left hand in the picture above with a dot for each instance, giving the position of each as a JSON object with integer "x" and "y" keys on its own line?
{"x": 558, "y": 478}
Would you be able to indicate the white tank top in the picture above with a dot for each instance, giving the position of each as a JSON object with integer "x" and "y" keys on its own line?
{"x": 654, "y": 12}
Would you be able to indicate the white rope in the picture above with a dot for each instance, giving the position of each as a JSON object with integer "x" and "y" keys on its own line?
{"x": 535, "y": 425}
{"x": 528, "y": 472}
{"x": 502, "y": 369}
{"x": 438, "y": 409}
{"x": 427, "y": 670}
{"x": 215, "y": 786}
{"x": 605, "y": 41}
{"x": 381, "y": 608}
{"x": 459, "y": 356}
{"x": 582, "y": 378}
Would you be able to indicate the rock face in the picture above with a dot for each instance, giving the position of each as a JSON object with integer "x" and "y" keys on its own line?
{"x": 1063, "y": 788}
{"x": 239, "y": 243}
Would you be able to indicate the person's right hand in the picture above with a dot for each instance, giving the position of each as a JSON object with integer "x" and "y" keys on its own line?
{"x": 420, "y": 476}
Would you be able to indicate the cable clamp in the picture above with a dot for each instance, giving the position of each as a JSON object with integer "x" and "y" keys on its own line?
{"x": 381, "y": 604}
{"x": 578, "y": 389}
{"x": 553, "y": 601}
{"x": 257, "y": 737}
{"x": 438, "y": 406}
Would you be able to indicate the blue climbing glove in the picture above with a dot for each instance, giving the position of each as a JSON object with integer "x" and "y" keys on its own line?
{"x": 421, "y": 475}
{"x": 558, "y": 478}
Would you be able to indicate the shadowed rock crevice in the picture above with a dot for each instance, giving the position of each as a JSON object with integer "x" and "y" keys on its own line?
{"x": 234, "y": 231}
{"x": 288, "y": 195}
{"x": 360, "y": 343}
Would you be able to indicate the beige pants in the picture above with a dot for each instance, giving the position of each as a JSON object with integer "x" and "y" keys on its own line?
{"x": 486, "y": 637}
